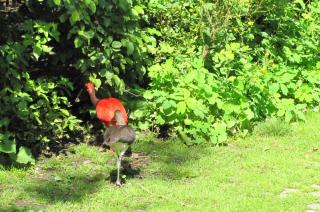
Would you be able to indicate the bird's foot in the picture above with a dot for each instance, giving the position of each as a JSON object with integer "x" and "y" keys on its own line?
{"x": 118, "y": 183}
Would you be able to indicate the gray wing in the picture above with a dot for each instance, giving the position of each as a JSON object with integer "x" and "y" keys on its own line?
{"x": 124, "y": 134}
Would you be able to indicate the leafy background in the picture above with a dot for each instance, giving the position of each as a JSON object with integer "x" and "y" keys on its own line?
{"x": 200, "y": 70}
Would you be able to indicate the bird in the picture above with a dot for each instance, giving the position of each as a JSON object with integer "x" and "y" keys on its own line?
{"x": 119, "y": 138}
{"x": 106, "y": 107}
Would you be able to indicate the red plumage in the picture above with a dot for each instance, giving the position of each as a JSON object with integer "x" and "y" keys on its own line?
{"x": 105, "y": 108}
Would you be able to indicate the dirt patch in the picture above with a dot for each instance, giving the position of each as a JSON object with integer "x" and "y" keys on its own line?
{"x": 41, "y": 174}
{"x": 140, "y": 160}
{"x": 4, "y": 186}
{"x": 316, "y": 186}
{"x": 80, "y": 161}
{"x": 29, "y": 204}
{"x": 136, "y": 161}
{"x": 287, "y": 191}
{"x": 314, "y": 206}
{"x": 315, "y": 193}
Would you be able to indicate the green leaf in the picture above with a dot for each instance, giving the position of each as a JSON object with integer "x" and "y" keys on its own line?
{"x": 186, "y": 93}
{"x": 166, "y": 104}
{"x": 64, "y": 112}
{"x": 63, "y": 17}
{"x": 78, "y": 42}
{"x": 160, "y": 120}
{"x": 274, "y": 87}
{"x": 300, "y": 115}
{"x": 4, "y": 122}
{"x": 220, "y": 128}
{"x": 92, "y": 7}
{"x": 95, "y": 81}
{"x": 199, "y": 113}
{"x": 249, "y": 114}
{"x": 138, "y": 9}
{"x": 36, "y": 52}
{"x": 57, "y": 2}
{"x": 7, "y": 145}
{"x": 124, "y": 5}
{"x": 86, "y": 34}
{"x": 130, "y": 48}
{"x": 287, "y": 77}
{"x": 301, "y": 3}
{"x": 25, "y": 156}
{"x": 188, "y": 122}
{"x": 116, "y": 44}
{"x": 181, "y": 108}
{"x": 281, "y": 113}
{"x": 222, "y": 137}
{"x": 148, "y": 95}
{"x": 57, "y": 178}
{"x": 138, "y": 114}
{"x": 153, "y": 31}
{"x": 288, "y": 116}
{"x": 75, "y": 16}
{"x": 284, "y": 89}
{"x": 213, "y": 139}
{"x": 87, "y": 2}
{"x": 46, "y": 49}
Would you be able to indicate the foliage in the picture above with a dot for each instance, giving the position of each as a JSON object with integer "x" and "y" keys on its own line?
{"x": 207, "y": 69}
{"x": 260, "y": 60}
{"x": 47, "y": 52}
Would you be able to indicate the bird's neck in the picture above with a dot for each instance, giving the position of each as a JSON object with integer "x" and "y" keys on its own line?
{"x": 93, "y": 98}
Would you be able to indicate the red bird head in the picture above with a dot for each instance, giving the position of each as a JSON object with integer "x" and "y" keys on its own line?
{"x": 90, "y": 87}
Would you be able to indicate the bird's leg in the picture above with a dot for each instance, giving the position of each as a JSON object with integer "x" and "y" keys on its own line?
{"x": 118, "y": 182}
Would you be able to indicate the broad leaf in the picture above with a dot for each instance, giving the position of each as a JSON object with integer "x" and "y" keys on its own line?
{"x": 24, "y": 156}
{"x": 7, "y": 145}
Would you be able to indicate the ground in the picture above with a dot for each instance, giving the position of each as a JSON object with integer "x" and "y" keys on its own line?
{"x": 277, "y": 168}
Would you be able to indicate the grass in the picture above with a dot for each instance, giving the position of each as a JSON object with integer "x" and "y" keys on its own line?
{"x": 246, "y": 175}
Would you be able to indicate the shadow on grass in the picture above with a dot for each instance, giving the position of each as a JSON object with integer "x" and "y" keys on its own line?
{"x": 23, "y": 205}
{"x": 160, "y": 159}
{"x": 75, "y": 185}
{"x": 172, "y": 159}
{"x": 12, "y": 208}
{"x": 126, "y": 171}
{"x": 66, "y": 188}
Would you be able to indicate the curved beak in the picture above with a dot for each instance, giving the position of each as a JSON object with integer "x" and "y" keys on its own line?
{"x": 77, "y": 99}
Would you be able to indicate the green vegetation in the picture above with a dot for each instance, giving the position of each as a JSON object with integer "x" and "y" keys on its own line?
{"x": 247, "y": 175}
{"x": 222, "y": 66}
{"x": 206, "y": 69}
{"x": 48, "y": 50}
{"x": 225, "y": 81}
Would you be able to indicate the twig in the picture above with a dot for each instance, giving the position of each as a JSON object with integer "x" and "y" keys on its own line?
{"x": 133, "y": 94}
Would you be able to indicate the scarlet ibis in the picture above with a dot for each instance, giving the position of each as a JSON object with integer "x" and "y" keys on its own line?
{"x": 105, "y": 108}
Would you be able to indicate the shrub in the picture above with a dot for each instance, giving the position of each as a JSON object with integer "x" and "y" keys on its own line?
{"x": 235, "y": 70}
{"x": 48, "y": 50}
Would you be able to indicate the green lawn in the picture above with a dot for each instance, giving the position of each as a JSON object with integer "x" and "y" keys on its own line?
{"x": 245, "y": 175}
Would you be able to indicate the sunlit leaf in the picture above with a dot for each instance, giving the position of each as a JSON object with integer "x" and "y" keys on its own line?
{"x": 74, "y": 16}
{"x": 181, "y": 108}
{"x": 7, "y": 145}
{"x": 57, "y": 2}
{"x": 25, "y": 156}
{"x": 116, "y": 44}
